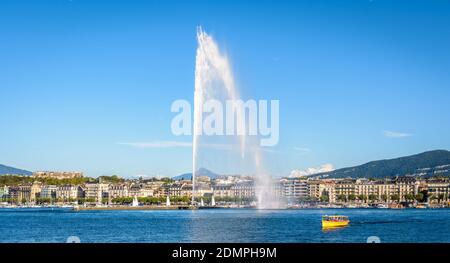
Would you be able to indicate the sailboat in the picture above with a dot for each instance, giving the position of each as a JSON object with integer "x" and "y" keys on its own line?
{"x": 213, "y": 202}
{"x": 135, "y": 201}
{"x": 201, "y": 202}
{"x": 168, "y": 201}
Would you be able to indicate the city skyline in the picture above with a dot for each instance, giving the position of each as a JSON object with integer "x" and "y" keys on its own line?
{"x": 88, "y": 86}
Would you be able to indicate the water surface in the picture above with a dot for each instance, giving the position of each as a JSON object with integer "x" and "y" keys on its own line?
{"x": 223, "y": 225}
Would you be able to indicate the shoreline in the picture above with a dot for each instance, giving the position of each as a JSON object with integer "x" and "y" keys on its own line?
{"x": 144, "y": 207}
{"x": 189, "y": 207}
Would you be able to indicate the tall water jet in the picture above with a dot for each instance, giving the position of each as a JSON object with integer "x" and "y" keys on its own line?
{"x": 214, "y": 81}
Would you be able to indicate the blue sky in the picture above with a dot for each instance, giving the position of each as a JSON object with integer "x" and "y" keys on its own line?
{"x": 357, "y": 80}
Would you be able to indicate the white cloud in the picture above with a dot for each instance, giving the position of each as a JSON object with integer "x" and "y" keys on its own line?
{"x": 310, "y": 171}
{"x": 393, "y": 134}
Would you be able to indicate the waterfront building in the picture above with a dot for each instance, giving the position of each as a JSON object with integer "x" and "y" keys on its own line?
{"x": 384, "y": 190}
{"x": 407, "y": 185}
{"x": 156, "y": 187}
{"x": 292, "y": 188}
{"x": 35, "y": 191}
{"x": 346, "y": 188}
{"x": 13, "y": 194}
{"x": 186, "y": 189}
{"x": 201, "y": 188}
{"x": 49, "y": 191}
{"x": 313, "y": 189}
{"x": 95, "y": 191}
{"x": 243, "y": 189}
{"x": 57, "y": 175}
{"x": 26, "y": 193}
{"x": 322, "y": 189}
{"x": 363, "y": 189}
{"x": 4, "y": 192}
{"x": 438, "y": 190}
{"x": 175, "y": 189}
{"x": 69, "y": 192}
{"x": 162, "y": 190}
{"x": 222, "y": 190}
{"x": 118, "y": 190}
{"x": 140, "y": 190}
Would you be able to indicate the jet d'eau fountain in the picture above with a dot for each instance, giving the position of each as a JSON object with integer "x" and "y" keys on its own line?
{"x": 214, "y": 82}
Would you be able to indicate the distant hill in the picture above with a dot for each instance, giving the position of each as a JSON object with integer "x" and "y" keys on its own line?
{"x": 11, "y": 170}
{"x": 424, "y": 165}
{"x": 200, "y": 172}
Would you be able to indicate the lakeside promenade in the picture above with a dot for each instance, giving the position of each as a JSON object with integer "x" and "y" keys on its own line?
{"x": 144, "y": 207}
{"x": 75, "y": 207}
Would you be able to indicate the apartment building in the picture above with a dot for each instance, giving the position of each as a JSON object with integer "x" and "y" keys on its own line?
{"x": 243, "y": 189}
{"x": 49, "y": 191}
{"x": 69, "y": 192}
{"x": 118, "y": 190}
{"x": 293, "y": 188}
{"x": 222, "y": 190}
{"x": 95, "y": 191}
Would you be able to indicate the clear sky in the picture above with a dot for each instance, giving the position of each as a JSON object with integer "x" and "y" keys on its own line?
{"x": 357, "y": 80}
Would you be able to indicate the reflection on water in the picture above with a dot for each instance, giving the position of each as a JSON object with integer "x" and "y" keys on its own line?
{"x": 223, "y": 225}
{"x": 333, "y": 229}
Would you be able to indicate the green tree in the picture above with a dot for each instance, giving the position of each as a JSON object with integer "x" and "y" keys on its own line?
{"x": 342, "y": 198}
{"x": 395, "y": 197}
{"x": 351, "y": 197}
{"x": 409, "y": 197}
{"x": 325, "y": 197}
{"x": 110, "y": 179}
{"x": 419, "y": 197}
{"x": 373, "y": 197}
{"x": 440, "y": 197}
{"x": 362, "y": 197}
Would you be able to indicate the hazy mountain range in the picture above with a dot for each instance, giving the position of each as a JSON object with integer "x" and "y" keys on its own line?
{"x": 11, "y": 170}
{"x": 200, "y": 172}
{"x": 425, "y": 164}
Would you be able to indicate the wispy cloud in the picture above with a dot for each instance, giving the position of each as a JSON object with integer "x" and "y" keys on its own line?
{"x": 393, "y": 134}
{"x": 178, "y": 144}
{"x": 174, "y": 144}
{"x": 157, "y": 144}
{"x": 301, "y": 150}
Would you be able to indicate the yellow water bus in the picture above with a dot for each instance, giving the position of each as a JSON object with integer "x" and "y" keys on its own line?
{"x": 334, "y": 221}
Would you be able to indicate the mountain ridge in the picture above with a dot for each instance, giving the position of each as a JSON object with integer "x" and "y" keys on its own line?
{"x": 425, "y": 164}
{"x": 200, "y": 172}
{"x": 11, "y": 170}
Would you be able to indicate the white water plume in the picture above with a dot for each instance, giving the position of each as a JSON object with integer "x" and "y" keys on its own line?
{"x": 214, "y": 80}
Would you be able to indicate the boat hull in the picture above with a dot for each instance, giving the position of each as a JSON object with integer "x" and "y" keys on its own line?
{"x": 331, "y": 224}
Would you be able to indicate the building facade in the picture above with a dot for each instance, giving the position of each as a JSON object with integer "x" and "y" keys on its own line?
{"x": 49, "y": 191}
{"x": 57, "y": 175}
{"x": 69, "y": 192}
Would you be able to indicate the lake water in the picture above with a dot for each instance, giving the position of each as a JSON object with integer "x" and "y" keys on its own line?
{"x": 223, "y": 225}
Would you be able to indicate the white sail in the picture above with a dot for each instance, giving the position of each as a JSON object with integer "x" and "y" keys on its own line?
{"x": 135, "y": 201}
